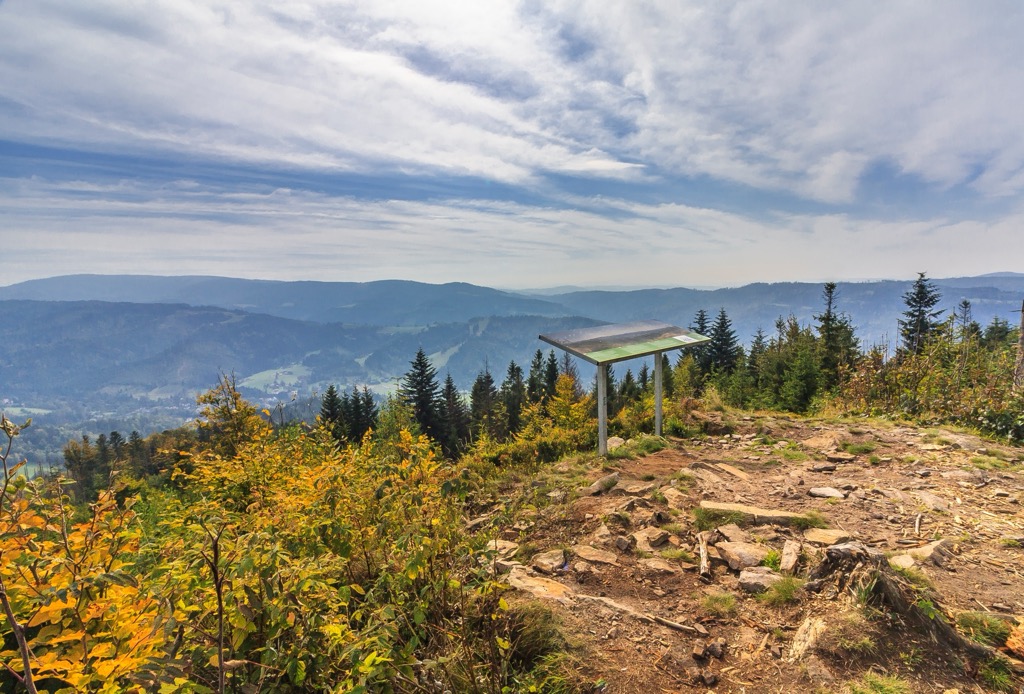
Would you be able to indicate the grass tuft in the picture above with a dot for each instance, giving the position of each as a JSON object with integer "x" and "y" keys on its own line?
{"x": 984, "y": 628}
{"x": 718, "y": 604}
{"x": 782, "y": 592}
{"x": 871, "y": 683}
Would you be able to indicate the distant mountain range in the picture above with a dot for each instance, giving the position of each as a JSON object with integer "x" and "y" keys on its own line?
{"x": 94, "y": 353}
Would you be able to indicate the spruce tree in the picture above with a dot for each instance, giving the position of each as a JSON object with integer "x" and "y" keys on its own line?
{"x": 837, "y": 345}
{"x": 724, "y": 347}
{"x": 701, "y": 353}
{"x": 643, "y": 377}
{"x": 629, "y": 389}
{"x": 535, "y": 390}
{"x": 332, "y": 415}
{"x": 456, "y": 420}
{"x": 568, "y": 368}
{"x": 483, "y": 401}
{"x": 513, "y": 397}
{"x": 419, "y": 389}
{"x": 550, "y": 374}
{"x": 919, "y": 320}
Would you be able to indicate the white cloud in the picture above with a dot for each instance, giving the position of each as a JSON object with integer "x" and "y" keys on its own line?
{"x": 285, "y": 234}
{"x": 795, "y": 97}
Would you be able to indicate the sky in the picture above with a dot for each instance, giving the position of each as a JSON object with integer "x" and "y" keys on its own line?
{"x": 512, "y": 144}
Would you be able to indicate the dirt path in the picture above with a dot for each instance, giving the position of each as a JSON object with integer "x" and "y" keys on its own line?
{"x": 946, "y": 505}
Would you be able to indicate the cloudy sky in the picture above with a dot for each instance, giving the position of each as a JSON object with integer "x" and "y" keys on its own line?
{"x": 512, "y": 144}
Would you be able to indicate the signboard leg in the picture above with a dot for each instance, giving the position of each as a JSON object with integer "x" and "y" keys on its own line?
{"x": 657, "y": 392}
{"x": 602, "y": 409}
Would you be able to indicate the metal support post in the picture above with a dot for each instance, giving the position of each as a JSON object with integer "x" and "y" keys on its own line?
{"x": 657, "y": 392}
{"x": 602, "y": 409}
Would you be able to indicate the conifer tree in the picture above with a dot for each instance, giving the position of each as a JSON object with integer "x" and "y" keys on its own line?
{"x": 568, "y": 368}
{"x": 837, "y": 345}
{"x": 513, "y": 397}
{"x": 483, "y": 402}
{"x": 550, "y": 374}
{"x": 332, "y": 413}
{"x": 724, "y": 347}
{"x": 643, "y": 377}
{"x": 419, "y": 389}
{"x": 668, "y": 381}
{"x": 919, "y": 320}
{"x": 701, "y": 353}
{"x": 535, "y": 390}
{"x": 629, "y": 389}
{"x": 456, "y": 420}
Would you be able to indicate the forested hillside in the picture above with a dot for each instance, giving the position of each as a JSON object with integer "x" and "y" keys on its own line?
{"x": 434, "y": 542}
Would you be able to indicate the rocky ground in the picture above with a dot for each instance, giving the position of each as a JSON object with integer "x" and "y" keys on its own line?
{"x": 615, "y": 548}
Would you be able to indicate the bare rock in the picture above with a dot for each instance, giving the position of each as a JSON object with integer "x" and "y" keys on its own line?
{"x": 826, "y": 493}
{"x": 615, "y": 442}
{"x": 758, "y": 516}
{"x": 603, "y": 484}
{"x": 540, "y": 587}
{"x": 790, "y": 556}
{"x": 625, "y": 543}
{"x": 824, "y": 467}
{"x": 601, "y": 536}
{"x": 758, "y": 579}
{"x": 931, "y": 501}
{"x": 937, "y": 552}
{"x": 822, "y": 536}
{"x": 635, "y": 487}
{"x": 503, "y": 548}
{"x": 675, "y": 498}
{"x": 740, "y": 555}
{"x": 734, "y": 533}
{"x": 658, "y": 565}
{"x": 595, "y": 556}
{"x": 902, "y": 561}
{"x": 548, "y": 562}
{"x": 649, "y": 538}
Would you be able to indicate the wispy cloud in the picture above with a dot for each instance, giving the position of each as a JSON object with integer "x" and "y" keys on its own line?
{"x": 288, "y": 234}
{"x": 520, "y": 140}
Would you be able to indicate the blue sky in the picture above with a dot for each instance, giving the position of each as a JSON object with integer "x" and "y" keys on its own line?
{"x": 517, "y": 145}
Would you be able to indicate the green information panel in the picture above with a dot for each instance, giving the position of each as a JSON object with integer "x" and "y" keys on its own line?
{"x": 611, "y": 343}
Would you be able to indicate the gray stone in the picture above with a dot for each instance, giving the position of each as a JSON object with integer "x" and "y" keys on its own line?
{"x": 625, "y": 543}
{"x": 615, "y": 442}
{"x": 824, "y": 467}
{"x": 601, "y": 485}
{"x": 758, "y": 579}
{"x": 826, "y": 493}
{"x": 936, "y": 552}
{"x": 758, "y": 516}
{"x": 675, "y": 498}
{"x": 540, "y": 587}
{"x": 790, "y": 556}
{"x": 548, "y": 562}
{"x": 902, "y": 561}
{"x": 932, "y": 502}
{"x": 734, "y": 533}
{"x": 601, "y": 536}
{"x": 635, "y": 487}
{"x": 821, "y": 536}
{"x": 595, "y": 556}
{"x": 503, "y": 548}
{"x": 740, "y": 555}
{"x": 649, "y": 538}
{"x": 658, "y": 566}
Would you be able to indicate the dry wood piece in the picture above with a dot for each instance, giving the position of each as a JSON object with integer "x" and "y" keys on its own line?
{"x": 703, "y": 538}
